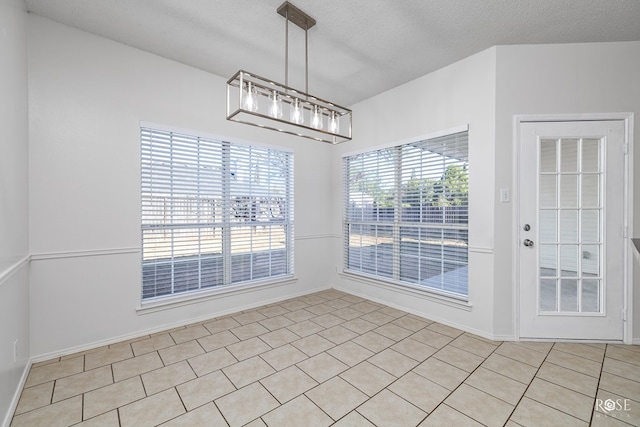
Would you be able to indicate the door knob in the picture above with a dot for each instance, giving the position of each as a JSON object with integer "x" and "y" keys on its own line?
{"x": 528, "y": 243}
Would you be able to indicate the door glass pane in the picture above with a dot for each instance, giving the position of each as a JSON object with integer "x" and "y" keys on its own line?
{"x": 548, "y": 260}
{"x": 568, "y": 155}
{"x": 569, "y": 191}
{"x": 569, "y": 226}
{"x": 548, "y": 226}
{"x": 590, "y": 155}
{"x": 590, "y": 191}
{"x": 548, "y": 295}
{"x": 569, "y": 260}
{"x": 591, "y": 295}
{"x": 590, "y": 227}
{"x": 569, "y": 295}
{"x": 548, "y": 156}
{"x": 569, "y": 223}
{"x": 590, "y": 260}
{"x": 548, "y": 191}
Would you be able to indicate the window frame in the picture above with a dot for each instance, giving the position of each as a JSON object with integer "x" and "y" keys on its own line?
{"x": 397, "y": 223}
{"x": 227, "y": 197}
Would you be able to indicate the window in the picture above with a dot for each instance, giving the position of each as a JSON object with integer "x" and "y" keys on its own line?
{"x": 214, "y": 213}
{"x": 406, "y": 214}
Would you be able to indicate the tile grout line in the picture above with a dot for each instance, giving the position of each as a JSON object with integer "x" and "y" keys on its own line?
{"x": 604, "y": 356}
{"x": 307, "y": 397}
{"x": 576, "y": 355}
{"x": 542, "y": 379}
{"x": 113, "y": 375}
{"x": 144, "y": 389}
{"x": 398, "y": 378}
{"x": 338, "y": 375}
{"x": 598, "y": 388}
{"x": 53, "y": 391}
{"x": 379, "y": 391}
{"x": 119, "y": 418}
{"x": 113, "y": 378}
{"x": 528, "y": 384}
{"x": 442, "y": 402}
{"x": 276, "y": 399}
{"x": 358, "y": 335}
{"x": 277, "y": 371}
{"x": 220, "y": 412}
{"x": 186, "y": 411}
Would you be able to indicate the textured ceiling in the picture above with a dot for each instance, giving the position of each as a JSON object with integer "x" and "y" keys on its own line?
{"x": 358, "y": 48}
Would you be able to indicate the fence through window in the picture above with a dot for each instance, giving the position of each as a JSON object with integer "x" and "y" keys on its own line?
{"x": 214, "y": 213}
{"x": 407, "y": 213}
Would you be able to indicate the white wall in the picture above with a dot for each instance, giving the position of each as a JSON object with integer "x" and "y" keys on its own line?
{"x": 557, "y": 79}
{"x": 458, "y": 95}
{"x": 485, "y": 91}
{"x": 14, "y": 232}
{"x": 87, "y": 97}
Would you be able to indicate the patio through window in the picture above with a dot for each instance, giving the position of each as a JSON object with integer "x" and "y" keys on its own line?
{"x": 406, "y": 214}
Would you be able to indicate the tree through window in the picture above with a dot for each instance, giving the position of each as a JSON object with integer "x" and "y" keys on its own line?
{"x": 407, "y": 212}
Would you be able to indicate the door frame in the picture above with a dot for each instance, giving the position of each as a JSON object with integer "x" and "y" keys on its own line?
{"x": 628, "y": 119}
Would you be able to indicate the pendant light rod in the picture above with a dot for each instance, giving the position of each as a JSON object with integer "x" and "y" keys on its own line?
{"x": 306, "y": 61}
{"x": 304, "y": 21}
{"x": 286, "y": 47}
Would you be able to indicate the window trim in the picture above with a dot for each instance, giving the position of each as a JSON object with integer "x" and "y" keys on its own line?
{"x": 432, "y": 135}
{"x": 163, "y": 302}
{"x": 408, "y": 289}
{"x": 208, "y": 135}
{"x": 448, "y": 298}
{"x": 194, "y": 297}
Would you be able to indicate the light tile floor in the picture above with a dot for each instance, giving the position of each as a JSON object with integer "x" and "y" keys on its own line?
{"x": 331, "y": 358}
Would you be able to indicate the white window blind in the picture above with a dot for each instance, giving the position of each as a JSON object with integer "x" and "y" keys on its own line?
{"x": 214, "y": 213}
{"x": 406, "y": 214}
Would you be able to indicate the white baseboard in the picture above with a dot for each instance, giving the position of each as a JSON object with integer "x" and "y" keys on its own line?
{"x": 16, "y": 396}
{"x": 139, "y": 334}
{"x": 412, "y": 291}
{"x": 443, "y": 321}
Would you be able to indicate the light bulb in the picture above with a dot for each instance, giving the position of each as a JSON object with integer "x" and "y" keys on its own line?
{"x": 297, "y": 110}
{"x": 251, "y": 98}
{"x": 275, "y": 105}
{"x": 316, "y": 118}
{"x": 334, "y": 123}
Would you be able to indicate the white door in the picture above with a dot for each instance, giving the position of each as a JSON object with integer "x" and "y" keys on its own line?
{"x": 571, "y": 221}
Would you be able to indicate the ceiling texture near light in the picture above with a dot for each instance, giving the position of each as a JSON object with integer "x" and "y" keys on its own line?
{"x": 358, "y": 49}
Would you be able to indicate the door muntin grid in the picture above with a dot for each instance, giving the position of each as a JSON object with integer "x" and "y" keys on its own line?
{"x": 570, "y": 223}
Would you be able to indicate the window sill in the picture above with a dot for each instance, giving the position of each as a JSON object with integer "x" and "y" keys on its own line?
{"x": 180, "y": 300}
{"x": 406, "y": 289}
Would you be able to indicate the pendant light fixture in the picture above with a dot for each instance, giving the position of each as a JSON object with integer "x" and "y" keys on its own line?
{"x": 257, "y": 101}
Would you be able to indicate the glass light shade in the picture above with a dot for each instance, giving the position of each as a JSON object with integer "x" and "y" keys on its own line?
{"x": 334, "y": 123}
{"x": 275, "y": 105}
{"x": 316, "y": 118}
{"x": 297, "y": 112}
{"x": 251, "y": 97}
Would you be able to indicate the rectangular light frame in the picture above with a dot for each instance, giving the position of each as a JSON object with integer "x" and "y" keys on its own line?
{"x": 236, "y": 110}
